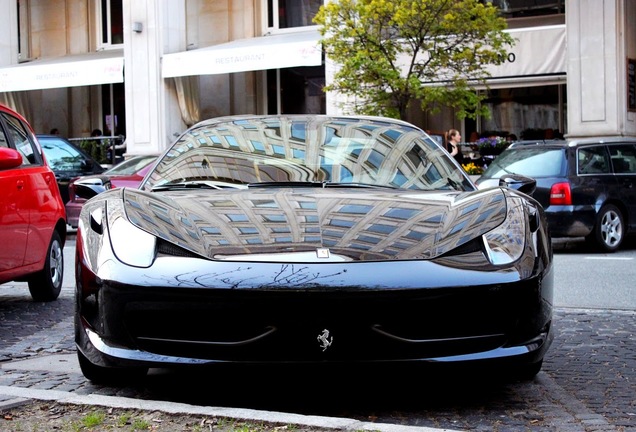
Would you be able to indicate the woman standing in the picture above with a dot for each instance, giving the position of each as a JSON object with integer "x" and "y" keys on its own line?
{"x": 453, "y": 146}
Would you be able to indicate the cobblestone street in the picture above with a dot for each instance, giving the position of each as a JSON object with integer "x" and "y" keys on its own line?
{"x": 587, "y": 383}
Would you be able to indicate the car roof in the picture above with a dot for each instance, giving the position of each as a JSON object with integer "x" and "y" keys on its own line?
{"x": 60, "y": 138}
{"x": 543, "y": 143}
{"x": 601, "y": 140}
{"x": 574, "y": 142}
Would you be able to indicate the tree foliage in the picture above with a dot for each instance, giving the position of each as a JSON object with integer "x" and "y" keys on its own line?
{"x": 391, "y": 52}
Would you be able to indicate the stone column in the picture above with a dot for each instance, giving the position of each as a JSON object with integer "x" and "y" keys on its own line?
{"x": 8, "y": 33}
{"x": 151, "y": 28}
{"x": 598, "y": 35}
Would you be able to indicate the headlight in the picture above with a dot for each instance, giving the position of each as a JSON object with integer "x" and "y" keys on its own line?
{"x": 506, "y": 243}
{"x": 130, "y": 244}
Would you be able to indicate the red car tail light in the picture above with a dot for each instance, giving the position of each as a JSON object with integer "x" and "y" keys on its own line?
{"x": 560, "y": 194}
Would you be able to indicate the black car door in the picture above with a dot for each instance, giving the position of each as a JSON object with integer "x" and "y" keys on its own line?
{"x": 623, "y": 157}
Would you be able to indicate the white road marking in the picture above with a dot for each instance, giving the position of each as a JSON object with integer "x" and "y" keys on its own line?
{"x": 610, "y": 258}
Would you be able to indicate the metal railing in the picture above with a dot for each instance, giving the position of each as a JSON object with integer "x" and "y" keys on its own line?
{"x": 98, "y": 147}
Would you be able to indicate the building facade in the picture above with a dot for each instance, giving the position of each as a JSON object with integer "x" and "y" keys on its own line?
{"x": 148, "y": 69}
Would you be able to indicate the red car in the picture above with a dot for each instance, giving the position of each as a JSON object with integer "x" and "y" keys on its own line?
{"x": 129, "y": 173}
{"x": 32, "y": 214}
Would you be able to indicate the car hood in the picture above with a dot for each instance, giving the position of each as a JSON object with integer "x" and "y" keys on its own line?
{"x": 287, "y": 224}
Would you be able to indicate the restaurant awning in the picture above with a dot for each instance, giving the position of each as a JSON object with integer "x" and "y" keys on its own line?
{"x": 101, "y": 67}
{"x": 539, "y": 53}
{"x": 523, "y": 66}
{"x": 258, "y": 53}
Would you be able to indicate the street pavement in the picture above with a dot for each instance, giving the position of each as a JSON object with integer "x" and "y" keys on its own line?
{"x": 587, "y": 383}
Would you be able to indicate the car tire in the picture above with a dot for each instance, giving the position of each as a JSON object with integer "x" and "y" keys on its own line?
{"x": 46, "y": 284}
{"x": 111, "y": 376}
{"x": 609, "y": 229}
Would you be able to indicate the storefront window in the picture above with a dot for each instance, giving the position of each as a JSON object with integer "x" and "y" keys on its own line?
{"x": 529, "y": 8}
{"x": 533, "y": 112}
{"x": 296, "y": 90}
{"x": 114, "y": 94}
{"x": 282, "y": 14}
{"x": 111, "y": 23}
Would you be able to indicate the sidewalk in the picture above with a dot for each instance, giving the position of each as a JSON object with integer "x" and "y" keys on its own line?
{"x": 13, "y": 397}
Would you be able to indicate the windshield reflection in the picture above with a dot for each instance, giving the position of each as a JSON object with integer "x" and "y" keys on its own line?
{"x": 308, "y": 149}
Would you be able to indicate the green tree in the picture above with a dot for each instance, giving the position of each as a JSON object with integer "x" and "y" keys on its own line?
{"x": 391, "y": 52}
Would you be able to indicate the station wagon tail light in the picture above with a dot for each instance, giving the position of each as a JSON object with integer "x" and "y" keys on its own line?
{"x": 560, "y": 194}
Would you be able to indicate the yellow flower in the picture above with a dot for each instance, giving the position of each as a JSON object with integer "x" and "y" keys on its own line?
{"x": 472, "y": 169}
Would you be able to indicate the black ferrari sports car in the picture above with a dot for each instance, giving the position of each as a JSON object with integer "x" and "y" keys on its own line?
{"x": 311, "y": 239}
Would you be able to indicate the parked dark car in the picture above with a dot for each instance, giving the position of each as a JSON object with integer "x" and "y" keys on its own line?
{"x": 67, "y": 161}
{"x": 32, "y": 217}
{"x": 314, "y": 240}
{"x": 586, "y": 186}
{"x": 128, "y": 173}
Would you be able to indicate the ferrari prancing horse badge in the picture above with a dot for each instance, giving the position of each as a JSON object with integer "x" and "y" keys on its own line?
{"x": 325, "y": 340}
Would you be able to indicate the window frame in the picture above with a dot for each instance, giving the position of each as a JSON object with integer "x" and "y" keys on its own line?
{"x": 11, "y": 127}
{"x": 618, "y": 153}
{"x": 271, "y": 21}
{"x": 23, "y": 30}
{"x": 591, "y": 162}
{"x": 104, "y": 25}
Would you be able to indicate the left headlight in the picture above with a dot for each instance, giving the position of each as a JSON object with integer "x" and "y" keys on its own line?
{"x": 130, "y": 244}
{"x": 506, "y": 243}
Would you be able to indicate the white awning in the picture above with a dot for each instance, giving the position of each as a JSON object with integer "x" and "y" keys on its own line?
{"x": 538, "y": 57}
{"x": 258, "y": 53}
{"x": 102, "y": 67}
{"x": 538, "y": 52}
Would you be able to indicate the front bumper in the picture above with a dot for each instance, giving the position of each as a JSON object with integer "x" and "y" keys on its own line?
{"x": 106, "y": 354}
{"x": 160, "y": 326}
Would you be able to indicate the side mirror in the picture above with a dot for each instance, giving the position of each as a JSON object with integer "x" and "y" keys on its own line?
{"x": 88, "y": 191}
{"x": 87, "y": 188}
{"x": 518, "y": 182}
{"x": 9, "y": 158}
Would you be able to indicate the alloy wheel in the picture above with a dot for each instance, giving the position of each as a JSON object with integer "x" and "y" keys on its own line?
{"x": 611, "y": 228}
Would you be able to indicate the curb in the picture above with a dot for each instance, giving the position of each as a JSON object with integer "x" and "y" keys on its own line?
{"x": 15, "y": 396}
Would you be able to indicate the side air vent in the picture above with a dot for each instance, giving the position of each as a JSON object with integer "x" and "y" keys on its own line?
{"x": 167, "y": 248}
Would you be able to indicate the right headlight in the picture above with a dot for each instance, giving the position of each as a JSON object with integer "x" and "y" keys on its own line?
{"x": 506, "y": 243}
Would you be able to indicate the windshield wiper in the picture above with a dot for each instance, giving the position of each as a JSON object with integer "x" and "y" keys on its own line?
{"x": 316, "y": 184}
{"x": 357, "y": 185}
{"x": 186, "y": 185}
{"x": 286, "y": 184}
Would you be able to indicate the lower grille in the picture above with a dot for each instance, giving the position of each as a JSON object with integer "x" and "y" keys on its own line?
{"x": 287, "y": 326}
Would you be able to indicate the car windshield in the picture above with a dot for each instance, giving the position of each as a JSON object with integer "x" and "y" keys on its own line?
{"x": 130, "y": 166}
{"x": 60, "y": 155}
{"x": 316, "y": 151}
{"x": 533, "y": 162}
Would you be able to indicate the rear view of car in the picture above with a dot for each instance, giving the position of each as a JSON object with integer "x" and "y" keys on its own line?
{"x": 32, "y": 220}
{"x": 129, "y": 173}
{"x": 586, "y": 186}
{"x": 67, "y": 161}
